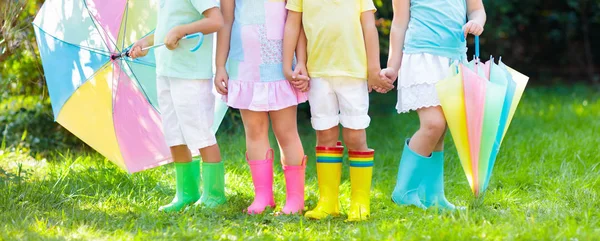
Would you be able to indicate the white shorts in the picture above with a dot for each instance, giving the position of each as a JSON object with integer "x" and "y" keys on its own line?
{"x": 335, "y": 100}
{"x": 187, "y": 110}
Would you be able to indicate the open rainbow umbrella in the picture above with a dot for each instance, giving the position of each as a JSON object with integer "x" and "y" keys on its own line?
{"x": 479, "y": 101}
{"x": 110, "y": 104}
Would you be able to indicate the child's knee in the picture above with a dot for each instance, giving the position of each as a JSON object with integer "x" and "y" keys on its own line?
{"x": 256, "y": 129}
{"x": 355, "y": 139}
{"x": 286, "y": 135}
{"x": 434, "y": 128}
{"x": 328, "y": 137}
{"x": 181, "y": 153}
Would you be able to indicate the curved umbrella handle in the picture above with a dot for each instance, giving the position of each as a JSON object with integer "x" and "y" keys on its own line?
{"x": 200, "y": 41}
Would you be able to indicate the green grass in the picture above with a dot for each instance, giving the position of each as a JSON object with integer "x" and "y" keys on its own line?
{"x": 546, "y": 186}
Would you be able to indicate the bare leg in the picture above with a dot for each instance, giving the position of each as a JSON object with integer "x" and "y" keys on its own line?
{"x": 440, "y": 145}
{"x": 181, "y": 154}
{"x": 211, "y": 154}
{"x": 355, "y": 140}
{"x": 431, "y": 130}
{"x": 286, "y": 130}
{"x": 256, "y": 126}
{"x": 329, "y": 137}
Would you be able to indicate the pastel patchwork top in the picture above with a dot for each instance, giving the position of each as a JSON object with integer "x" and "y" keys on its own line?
{"x": 254, "y": 65}
{"x": 435, "y": 27}
{"x": 180, "y": 62}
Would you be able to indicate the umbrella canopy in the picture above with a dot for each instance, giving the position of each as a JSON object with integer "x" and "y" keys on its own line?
{"x": 109, "y": 104}
{"x": 479, "y": 101}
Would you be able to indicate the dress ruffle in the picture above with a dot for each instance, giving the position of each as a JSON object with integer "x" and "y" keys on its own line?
{"x": 263, "y": 96}
{"x": 419, "y": 73}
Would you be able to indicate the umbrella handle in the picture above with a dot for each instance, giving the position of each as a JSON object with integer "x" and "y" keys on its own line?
{"x": 190, "y": 36}
{"x": 476, "y": 47}
{"x": 200, "y": 40}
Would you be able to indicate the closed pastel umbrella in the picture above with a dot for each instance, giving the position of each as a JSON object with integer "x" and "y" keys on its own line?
{"x": 479, "y": 101}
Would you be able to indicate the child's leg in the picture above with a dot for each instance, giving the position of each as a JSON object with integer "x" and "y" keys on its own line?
{"x": 423, "y": 163}
{"x": 432, "y": 128}
{"x": 286, "y": 130}
{"x": 213, "y": 177}
{"x": 420, "y": 175}
{"x": 324, "y": 108}
{"x": 361, "y": 172}
{"x": 355, "y": 139}
{"x": 292, "y": 158}
{"x": 194, "y": 107}
{"x": 256, "y": 127}
{"x": 353, "y": 96}
{"x": 211, "y": 154}
{"x": 440, "y": 144}
{"x": 328, "y": 137}
{"x": 181, "y": 154}
{"x": 432, "y": 192}
{"x": 260, "y": 159}
{"x": 187, "y": 172}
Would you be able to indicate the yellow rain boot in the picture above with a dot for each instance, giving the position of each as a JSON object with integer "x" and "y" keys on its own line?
{"x": 361, "y": 173}
{"x": 329, "y": 174}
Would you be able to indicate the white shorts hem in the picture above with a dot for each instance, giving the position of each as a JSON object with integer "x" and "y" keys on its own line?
{"x": 355, "y": 122}
{"x": 325, "y": 123}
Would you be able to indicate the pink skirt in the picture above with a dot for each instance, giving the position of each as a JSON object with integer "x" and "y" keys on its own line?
{"x": 263, "y": 96}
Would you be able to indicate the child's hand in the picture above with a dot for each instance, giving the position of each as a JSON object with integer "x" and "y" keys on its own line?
{"x": 302, "y": 85}
{"x": 389, "y": 74}
{"x": 221, "y": 80}
{"x": 136, "y": 50}
{"x": 375, "y": 82}
{"x": 299, "y": 77}
{"x": 173, "y": 37}
{"x": 473, "y": 27}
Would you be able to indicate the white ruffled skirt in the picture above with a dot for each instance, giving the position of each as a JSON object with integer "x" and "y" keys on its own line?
{"x": 417, "y": 78}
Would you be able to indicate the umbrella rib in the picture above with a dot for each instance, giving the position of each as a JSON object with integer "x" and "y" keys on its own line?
{"x": 98, "y": 51}
{"x": 140, "y": 84}
{"x": 115, "y": 93}
{"x": 97, "y": 27}
{"x": 137, "y": 61}
{"x": 125, "y": 17}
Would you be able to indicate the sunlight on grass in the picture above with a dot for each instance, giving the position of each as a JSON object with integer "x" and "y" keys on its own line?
{"x": 545, "y": 186}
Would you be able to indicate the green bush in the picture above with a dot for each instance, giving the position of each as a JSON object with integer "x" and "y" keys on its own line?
{"x": 550, "y": 41}
{"x": 27, "y": 123}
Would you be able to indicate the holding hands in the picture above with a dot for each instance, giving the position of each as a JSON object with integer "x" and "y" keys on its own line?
{"x": 298, "y": 77}
{"x": 380, "y": 82}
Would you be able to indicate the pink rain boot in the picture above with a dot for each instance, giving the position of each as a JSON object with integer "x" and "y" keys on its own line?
{"x": 294, "y": 185}
{"x": 262, "y": 178}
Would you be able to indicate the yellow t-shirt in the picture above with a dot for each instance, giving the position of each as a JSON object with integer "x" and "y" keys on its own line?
{"x": 336, "y": 45}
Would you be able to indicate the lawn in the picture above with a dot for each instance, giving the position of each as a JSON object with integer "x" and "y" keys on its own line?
{"x": 546, "y": 186}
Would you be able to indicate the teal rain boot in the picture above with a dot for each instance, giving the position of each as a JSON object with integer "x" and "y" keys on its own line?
{"x": 188, "y": 182}
{"x": 431, "y": 191}
{"x": 410, "y": 174}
